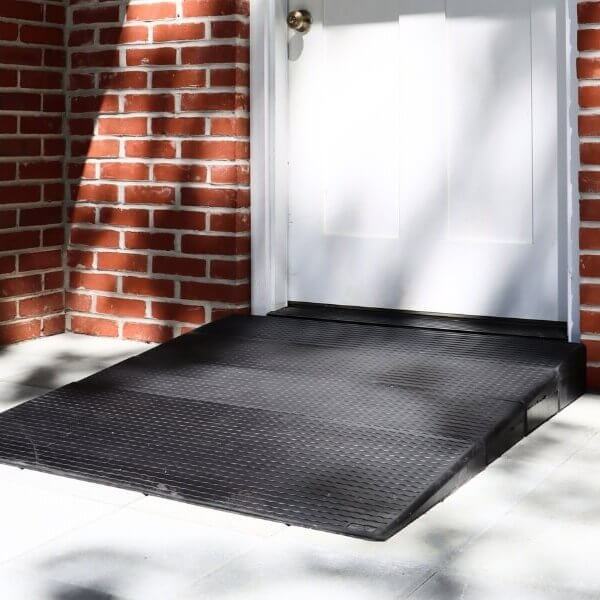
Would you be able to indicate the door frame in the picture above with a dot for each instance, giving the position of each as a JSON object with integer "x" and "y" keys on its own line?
{"x": 269, "y": 157}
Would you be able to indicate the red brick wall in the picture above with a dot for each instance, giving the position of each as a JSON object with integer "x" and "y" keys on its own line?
{"x": 158, "y": 234}
{"x": 32, "y": 60}
{"x": 588, "y": 71}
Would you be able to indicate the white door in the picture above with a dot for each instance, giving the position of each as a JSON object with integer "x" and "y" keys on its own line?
{"x": 423, "y": 157}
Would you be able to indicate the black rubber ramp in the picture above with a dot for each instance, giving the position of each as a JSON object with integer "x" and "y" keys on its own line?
{"x": 345, "y": 427}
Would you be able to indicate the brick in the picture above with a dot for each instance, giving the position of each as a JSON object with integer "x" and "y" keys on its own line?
{"x": 123, "y": 126}
{"x": 589, "y": 153}
{"x": 182, "y": 126}
{"x": 95, "y": 15}
{"x": 82, "y": 170}
{"x": 147, "y": 332}
{"x": 41, "y": 80}
{"x": 53, "y": 237}
{"x": 53, "y": 325}
{"x": 182, "y": 313}
{"x": 54, "y": 57}
{"x": 99, "y": 238}
{"x": 149, "y": 103}
{"x": 95, "y": 104}
{"x": 589, "y": 210}
{"x": 8, "y": 310}
{"x": 93, "y": 281}
{"x": 149, "y": 149}
{"x": 95, "y": 148}
{"x": 589, "y": 125}
{"x": 123, "y": 80}
{"x": 234, "y": 294}
{"x": 97, "y": 58}
{"x": 183, "y": 78}
{"x": 55, "y": 14}
{"x": 229, "y": 77}
{"x": 20, "y": 286}
{"x": 138, "y": 240}
{"x": 590, "y": 294}
{"x": 211, "y": 197}
{"x": 589, "y": 239}
{"x": 588, "y": 68}
{"x": 20, "y": 194}
{"x": 121, "y": 261}
{"x": 179, "y": 265}
{"x": 94, "y": 326}
{"x": 593, "y": 350}
{"x": 42, "y": 125}
{"x": 588, "y": 40}
{"x": 201, "y": 55}
{"x": 80, "y": 259}
{"x": 35, "y": 34}
{"x": 205, "y": 244}
{"x": 26, "y": 11}
{"x": 82, "y": 214}
{"x": 125, "y": 171}
{"x": 40, "y": 170}
{"x": 124, "y": 35}
{"x": 590, "y": 321}
{"x": 137, "y": 194}
{"x": 95, "y": 193}
{"x": 81, "y": 126}
{"x": 19, "y": 240}
{"x": 9, "y": 32}
{"x": 8, "y": 172}
{"x": 120, "y": 307}
{"x": 158, "y": 288}
{"x": 589, "y": 181}
{"x": 230, "y": 174}
{"x": 589, "y": 265}
{"x": 179, "y": 31}
{"x": 53, "y": 103}
{"x": 8, "y": 219}
{"x": 81, "y": 37}
{"x": 8, "y": 78}
{"x": 54, "y": 280}
{"x": 37, "y": 261}
{"x": 78, "y": 302}
{"x": 180, "y": 173}
{"x": 40, "y": 216}
{"x": 151, "y": 12}
{"x": 7, "y": 264}
{"x": 131, "y": 217}
{"x": 229, "y": 126}
{"x": 230, "y": 269}
{"x": 19, "y": 147}
{"x": 41, "y": 305}
{"x": 209, "y": 8}
{"x": 588, "y": 12}
{"x": 229, "y": 29}
{"x": 54, "y": 192}
{"x": 151, "y": 56}
{"x": 179, "y": 219}
{"x": 208, "y": 101}
{"x": 221, "y": 313}
{"x": 20, "y": 331}
{"x": 208, "y": 150}
{"x": 20, "y": 101}
{"x": 15, "y": 55}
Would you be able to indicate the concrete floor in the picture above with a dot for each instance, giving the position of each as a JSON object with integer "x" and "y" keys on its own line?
{"x": 527, "y": 528}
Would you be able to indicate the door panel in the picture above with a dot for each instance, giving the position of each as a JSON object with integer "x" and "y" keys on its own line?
{"x": 423, "y": 157}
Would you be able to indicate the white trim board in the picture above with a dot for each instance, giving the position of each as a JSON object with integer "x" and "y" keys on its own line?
{"x": 269, "y": 160}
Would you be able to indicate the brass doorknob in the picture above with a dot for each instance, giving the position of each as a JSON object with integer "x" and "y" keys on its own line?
{"x": 299, "y": 20}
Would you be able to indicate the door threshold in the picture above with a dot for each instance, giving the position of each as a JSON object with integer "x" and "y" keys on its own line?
{"x": 553, "y": 330}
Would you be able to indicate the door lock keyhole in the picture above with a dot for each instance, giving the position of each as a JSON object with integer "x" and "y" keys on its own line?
{"x": 299, "y": 20}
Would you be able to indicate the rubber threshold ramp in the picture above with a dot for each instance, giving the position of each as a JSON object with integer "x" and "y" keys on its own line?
{"x": 352, "y": 428}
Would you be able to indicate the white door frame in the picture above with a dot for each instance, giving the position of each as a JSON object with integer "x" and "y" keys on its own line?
{"x": 269, "y": 162}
